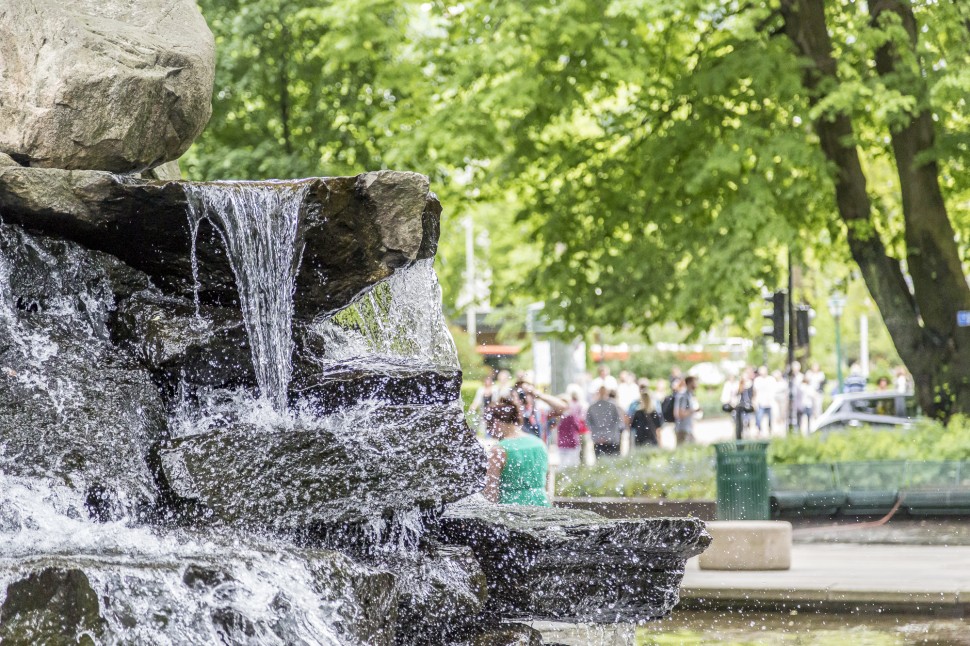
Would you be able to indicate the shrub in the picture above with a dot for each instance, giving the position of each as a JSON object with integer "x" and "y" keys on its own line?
{"x": 687, "y": 473}
{"x": 925, "y": 440}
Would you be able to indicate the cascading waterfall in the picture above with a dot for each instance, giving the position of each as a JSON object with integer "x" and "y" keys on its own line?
{"x": 258, "y": 223}
{"x": 327, "y": 519}
{"x": 400, "y": 320}
{"x": 198, "y": 589}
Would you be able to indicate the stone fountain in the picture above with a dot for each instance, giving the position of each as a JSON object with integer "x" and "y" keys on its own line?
{"x": 229, "y": 411}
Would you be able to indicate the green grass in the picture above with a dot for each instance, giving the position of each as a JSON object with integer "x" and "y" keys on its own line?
{"x": 694, "y": 628}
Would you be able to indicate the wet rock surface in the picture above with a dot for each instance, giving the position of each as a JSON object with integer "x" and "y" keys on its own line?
{"x": 210, "y": 349}
{"x": 72, "y": 406}
{"x": 341, "y": 385}
{"x": 199, "y": 599}
{"x": 503, "y": 634}
{"x": 183, "y": 348}
{"x": 441, "y": 592}
{"x": 110, "y": 85}
{"x": 51, "y": 606}
{"x": 357, "y": 231}
{"x": 572, "y": 566}
{"x": 354, "y": 231}
{"x": 341, "y": 469}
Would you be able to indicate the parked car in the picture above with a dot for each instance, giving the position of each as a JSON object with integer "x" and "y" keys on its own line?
{"x": 886, "y": 409}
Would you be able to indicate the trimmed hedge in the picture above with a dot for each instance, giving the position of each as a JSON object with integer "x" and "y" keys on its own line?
{"x": 684, "y": 474}
{"x": 688, "y": 472}
{"x": 926, "y": 440}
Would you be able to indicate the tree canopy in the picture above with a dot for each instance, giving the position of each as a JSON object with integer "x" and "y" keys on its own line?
{"x": 647, "y": 161}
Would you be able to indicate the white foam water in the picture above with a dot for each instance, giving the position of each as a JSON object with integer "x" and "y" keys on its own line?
{"x": 34, "y": 348}
{"x": 140, "y": 575}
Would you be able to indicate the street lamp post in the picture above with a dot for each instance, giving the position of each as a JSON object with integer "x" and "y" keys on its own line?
{"x": 471, "y": 320}
{"x": 836, "y": 308}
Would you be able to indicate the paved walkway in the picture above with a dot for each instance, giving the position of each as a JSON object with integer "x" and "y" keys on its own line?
{"x": 708, "y": 431}
{"x": 920, "y": 578}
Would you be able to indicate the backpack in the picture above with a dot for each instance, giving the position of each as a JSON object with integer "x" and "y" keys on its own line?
{"x": 667, "y": 408}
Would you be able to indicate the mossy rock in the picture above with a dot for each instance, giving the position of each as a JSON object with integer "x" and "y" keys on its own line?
{"x": 52, "y": 606}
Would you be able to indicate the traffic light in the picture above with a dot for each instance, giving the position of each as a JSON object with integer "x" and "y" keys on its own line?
{"x": 803, "y": 326}
{"x": 775, "y": 313}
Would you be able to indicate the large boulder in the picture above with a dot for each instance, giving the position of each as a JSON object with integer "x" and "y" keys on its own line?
{"x": 111, "y": 85}
{"x": 350, "y": 469}
{"x": 574, "y": 566}
{"x": 355, "y": 231}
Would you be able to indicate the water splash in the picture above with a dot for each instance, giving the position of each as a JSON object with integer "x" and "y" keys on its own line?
{"x": 177, "y": 587}
{"x": 398, "y": 321}
{"x": 33, "y": 346}
{"x": 258, "y": 223}
{"x": 74, "y": 406}
{"x": 401, "y": 535}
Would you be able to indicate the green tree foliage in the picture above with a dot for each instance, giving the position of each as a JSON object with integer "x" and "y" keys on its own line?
{"x": 304, "y": 88}
{"x": 657, "y": 152}
{"x": 657, "y": 156}
{"x": 666, "y": 151}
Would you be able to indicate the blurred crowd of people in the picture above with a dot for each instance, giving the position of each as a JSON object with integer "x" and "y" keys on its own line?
{"x": 759, "y": 400}
{"x": 606, "y": 414}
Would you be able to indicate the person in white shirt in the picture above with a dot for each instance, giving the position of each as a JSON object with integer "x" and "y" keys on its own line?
{"x": 805, "y": 404}
{"x": 816, "y": 379}
{"x": 765, "y": 388}
{"x": 603, "y": 380}
{"x": 903, "y": 384}
{"x": 627, "y": 391}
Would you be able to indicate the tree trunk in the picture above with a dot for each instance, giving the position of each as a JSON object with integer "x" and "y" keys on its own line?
{"x": 922, "y": 323}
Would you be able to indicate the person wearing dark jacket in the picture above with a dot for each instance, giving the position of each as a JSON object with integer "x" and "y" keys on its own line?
{"x": 646, "y": 421}
{"x": 605, "y": 421}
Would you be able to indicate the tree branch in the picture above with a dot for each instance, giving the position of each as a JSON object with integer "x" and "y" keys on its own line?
{"x": 932, "y": 255}
{"x": 806, "y": 28}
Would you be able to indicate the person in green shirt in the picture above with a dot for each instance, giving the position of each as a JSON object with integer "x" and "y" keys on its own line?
{"x": 517, "y": 465}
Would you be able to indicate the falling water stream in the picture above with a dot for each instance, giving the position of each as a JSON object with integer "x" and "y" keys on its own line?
{"x": 259, "y": 224}
{"x": 398, "y": 321}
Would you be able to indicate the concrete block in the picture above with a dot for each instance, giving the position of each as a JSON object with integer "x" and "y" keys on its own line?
{"x": 748, "y": 545}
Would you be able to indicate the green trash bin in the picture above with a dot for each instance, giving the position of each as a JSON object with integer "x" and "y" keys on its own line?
{"x": 742, "y": 481}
